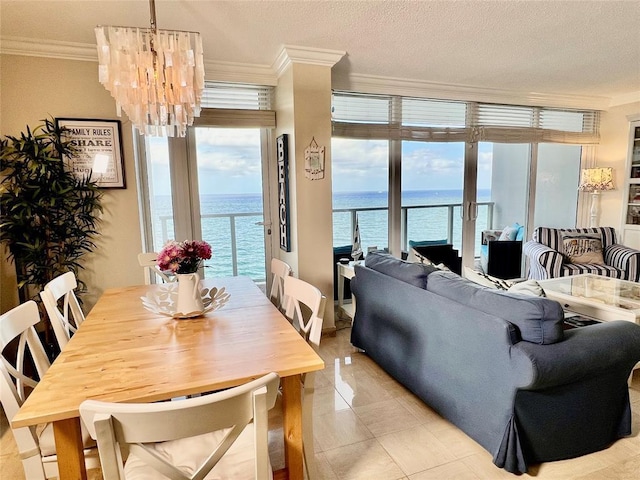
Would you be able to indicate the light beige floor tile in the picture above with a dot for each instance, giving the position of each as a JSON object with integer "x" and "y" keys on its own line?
{"x": 323, "y": 468}
{"x": 385, "y": 417}
{"x": 457, "y": 470}
{"x": 457, "y": 442}
{"x": 424, "y": 414}
{"x": 484, "y": 468}
{"x": 364, "y": 460}
{"x": 328, "y": 400}
{"x": 361, "y": 389}
{"x": 339, "y": 429}
{"x": 415, "y": 449}
{"x": 563, "y": 469}
{"x": 627, "y": 470}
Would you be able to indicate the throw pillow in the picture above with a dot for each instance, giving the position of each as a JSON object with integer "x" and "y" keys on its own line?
{"x": 528, "y": 287}
{"x": 508, "y": 233}
{"x": 486, "y": 280}
{"x": 583, "y": 247}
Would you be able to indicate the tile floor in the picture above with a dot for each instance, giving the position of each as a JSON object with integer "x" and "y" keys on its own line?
{"x": 367, "y": 426}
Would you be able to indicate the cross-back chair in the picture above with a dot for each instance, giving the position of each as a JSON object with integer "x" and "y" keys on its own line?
{"x": 224, "y": 433}
{"x": 149, "y": 262}
{"x": 67, "y": 320}
{"x": 280, "y": 270}
{"x": 305, "y": 311}
{"x": 36, "y": 445}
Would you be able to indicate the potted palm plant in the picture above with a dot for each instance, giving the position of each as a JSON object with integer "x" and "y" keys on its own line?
{"x": 48, "y": 216}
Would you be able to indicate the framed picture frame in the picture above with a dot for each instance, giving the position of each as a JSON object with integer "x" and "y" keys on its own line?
{"x": 99, "y": 150}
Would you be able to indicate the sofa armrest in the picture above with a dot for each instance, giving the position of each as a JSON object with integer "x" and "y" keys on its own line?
{"x": 544, "y": 262}
{"x": 585, "y": 352}
{"x": 624, "y": 258}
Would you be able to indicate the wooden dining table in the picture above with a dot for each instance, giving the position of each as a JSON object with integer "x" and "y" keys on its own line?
{"x": 125, "y": 353}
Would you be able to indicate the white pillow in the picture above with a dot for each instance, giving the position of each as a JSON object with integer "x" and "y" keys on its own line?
{"x": 508, "y": 233}
{"x": 528, "y": 287}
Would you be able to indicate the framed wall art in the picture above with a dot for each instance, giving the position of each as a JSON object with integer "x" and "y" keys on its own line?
{"x": 99, "y": 150}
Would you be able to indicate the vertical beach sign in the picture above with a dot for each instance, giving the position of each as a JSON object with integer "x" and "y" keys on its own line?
{"x": 282, "y": 151}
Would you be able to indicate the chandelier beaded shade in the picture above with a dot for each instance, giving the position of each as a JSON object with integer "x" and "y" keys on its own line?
{"x": 156, "y": 76}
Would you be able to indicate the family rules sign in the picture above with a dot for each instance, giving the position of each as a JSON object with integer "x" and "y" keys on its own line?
{"x": 98, "y": 149}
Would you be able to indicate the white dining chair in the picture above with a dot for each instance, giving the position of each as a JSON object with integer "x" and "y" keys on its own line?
{"x": 305, "y": 311}
{"x": 67, "y": 320}
{"x": 224, "y": 433}
{"x": 36, "y": 446}
{"x": 280, "y": 270}
{"x": 148, "y": 261}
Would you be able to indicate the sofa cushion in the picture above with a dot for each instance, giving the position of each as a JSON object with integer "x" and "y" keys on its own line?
{"x": 582, "y": 247}
{"x": 412, "y": 273}
{"x": 538, "y": 319}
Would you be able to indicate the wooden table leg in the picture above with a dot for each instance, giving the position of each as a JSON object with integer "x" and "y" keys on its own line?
{"x": 69, "y": 449}
{"x": 292, "y": 423}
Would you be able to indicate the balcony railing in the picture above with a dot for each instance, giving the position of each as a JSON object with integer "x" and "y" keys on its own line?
{"x": 229, "y": 239}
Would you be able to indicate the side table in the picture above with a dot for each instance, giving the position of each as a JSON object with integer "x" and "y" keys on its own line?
{"x": 346, "y": 270}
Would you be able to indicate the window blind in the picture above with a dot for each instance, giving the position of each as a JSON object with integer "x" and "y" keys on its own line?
{"x": 236, "y": 105}
{"x": 402, "y": 118}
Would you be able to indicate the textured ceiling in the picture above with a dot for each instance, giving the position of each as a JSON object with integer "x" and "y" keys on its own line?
{"x": 553, "y": 47}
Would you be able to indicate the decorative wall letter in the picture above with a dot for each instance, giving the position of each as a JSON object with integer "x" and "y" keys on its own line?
{"x": 283, "y": 192}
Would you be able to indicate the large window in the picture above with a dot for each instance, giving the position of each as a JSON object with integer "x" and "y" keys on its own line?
{"x": 360, "y": 187}
{"x": 456, "y": 168}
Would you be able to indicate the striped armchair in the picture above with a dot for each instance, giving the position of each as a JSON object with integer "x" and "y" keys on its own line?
{"x": 547, "y": 260}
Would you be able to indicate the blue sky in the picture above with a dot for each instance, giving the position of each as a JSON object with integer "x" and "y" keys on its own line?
{"x": 229, "y": 162}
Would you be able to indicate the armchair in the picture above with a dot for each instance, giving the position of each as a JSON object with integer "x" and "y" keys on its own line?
{"x": 547, "y": 258}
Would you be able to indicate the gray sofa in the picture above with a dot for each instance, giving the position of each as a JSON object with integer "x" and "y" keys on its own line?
{"x": 498, "y": 365}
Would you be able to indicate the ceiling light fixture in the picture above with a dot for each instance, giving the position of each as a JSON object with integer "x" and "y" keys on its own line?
{"x": 156, "y": 76}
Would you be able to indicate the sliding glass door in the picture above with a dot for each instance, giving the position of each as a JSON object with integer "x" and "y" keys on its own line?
{"x": 210, "y": 186}
{"x": 230, "y": 186}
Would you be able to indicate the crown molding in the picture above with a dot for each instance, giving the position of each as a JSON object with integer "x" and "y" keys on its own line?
{"x": 215, "y": 71}
{"x": 418, "y": 88}
{"x": 268, "y": 75}
{"x": 240, "y": 73}
{"x": 31, "y": 47}
{"x": 625, "y": 99}
{"x": 310, "y": 56}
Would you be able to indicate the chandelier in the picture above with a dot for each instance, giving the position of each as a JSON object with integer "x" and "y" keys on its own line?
{"x": 156, "y": 76}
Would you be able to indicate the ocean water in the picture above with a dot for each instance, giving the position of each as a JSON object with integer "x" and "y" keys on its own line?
{"x": 238, "y": 215}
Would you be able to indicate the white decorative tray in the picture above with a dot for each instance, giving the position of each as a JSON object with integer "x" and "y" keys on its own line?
{"x": 164, "y": 300}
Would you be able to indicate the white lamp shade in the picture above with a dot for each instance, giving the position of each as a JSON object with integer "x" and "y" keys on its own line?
{"x": 596, "y": 179}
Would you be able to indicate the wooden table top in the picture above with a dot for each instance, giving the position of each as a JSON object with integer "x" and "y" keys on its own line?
{"x": 123, "y": 352}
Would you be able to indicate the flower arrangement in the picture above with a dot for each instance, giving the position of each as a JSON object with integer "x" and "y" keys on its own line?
{"x": 183, "y": 257}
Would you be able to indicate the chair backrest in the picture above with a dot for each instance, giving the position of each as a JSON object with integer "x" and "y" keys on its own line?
{"x": 148, "y": 261}
{"x": 19, "y": 323}
{"x": 280, "y": 270}
{"x": 141, "y": 426}
{"x": 305, "y": 309}
{"x": 68, "y": 320}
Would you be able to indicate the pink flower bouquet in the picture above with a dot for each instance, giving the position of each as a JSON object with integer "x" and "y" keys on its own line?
{"x": 183, "y": 257}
